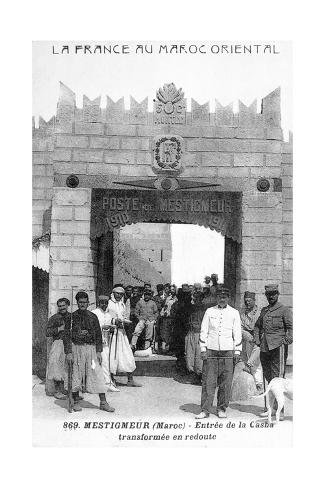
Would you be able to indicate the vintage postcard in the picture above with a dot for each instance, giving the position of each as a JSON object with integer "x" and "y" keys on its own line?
{"x": 162, "y": 243}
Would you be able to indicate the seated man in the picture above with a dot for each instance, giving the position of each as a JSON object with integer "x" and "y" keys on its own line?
{"x": 146, "y": 312}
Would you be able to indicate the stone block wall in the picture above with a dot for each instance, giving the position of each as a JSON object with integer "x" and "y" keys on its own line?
{"x": 42, "y": 167}
{"x": 287, "y": 233}
{"x": 105, "y": 145}
{"x": 72, "y": 256}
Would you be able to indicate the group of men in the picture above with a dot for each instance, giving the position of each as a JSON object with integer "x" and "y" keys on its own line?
{"x": 195, "y": 323}
{"x": 94, "y": 343}
{"x": 225, "y": 332}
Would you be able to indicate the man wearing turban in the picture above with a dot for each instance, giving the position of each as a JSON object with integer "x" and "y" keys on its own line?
{"x": 121, "y": 359}
{"x": 104, "y": 319}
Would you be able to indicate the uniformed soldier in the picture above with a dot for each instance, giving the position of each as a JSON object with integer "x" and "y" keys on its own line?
{"x": 220, "y": 342}
{"x": 273, "y": 333}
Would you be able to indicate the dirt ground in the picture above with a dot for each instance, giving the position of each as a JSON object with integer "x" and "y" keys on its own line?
{"x": 160, "y": 401}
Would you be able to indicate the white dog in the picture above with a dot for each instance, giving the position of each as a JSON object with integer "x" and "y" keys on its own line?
{"x": 277, "y": 389}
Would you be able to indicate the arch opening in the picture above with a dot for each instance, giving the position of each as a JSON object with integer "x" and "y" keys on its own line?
{"x": 116, "y": 213}
{"x": 167, "y": 253}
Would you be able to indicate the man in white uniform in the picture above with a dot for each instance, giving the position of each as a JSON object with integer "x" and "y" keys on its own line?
{"x": 220, "y": 342}
{"x": 104, "y": 321}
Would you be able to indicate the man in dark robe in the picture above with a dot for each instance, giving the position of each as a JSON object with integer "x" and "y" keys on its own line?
{"x": 58, "y": 328}
{"x": 84, "y": 352}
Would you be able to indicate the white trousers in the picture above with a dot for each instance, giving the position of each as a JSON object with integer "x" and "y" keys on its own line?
{"x": 105, "y": 365}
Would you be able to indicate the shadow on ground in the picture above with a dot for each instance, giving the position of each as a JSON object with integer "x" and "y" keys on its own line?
{"x": 195, "y": 409}
{"x": 252, "y": 409}
{"x": 156, "y": 366}
{"x": 185, "y": 379}
{"x": 83, "y": 404}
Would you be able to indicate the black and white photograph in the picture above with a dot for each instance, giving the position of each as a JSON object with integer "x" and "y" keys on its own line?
{"x": 162, "y": 243}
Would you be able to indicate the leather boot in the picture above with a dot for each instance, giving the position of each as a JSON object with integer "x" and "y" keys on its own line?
{"x": 76, "y": 407}
{"x": 59, "y": 395}
{"x": 106, "y": 407}
{"x": 133, "y": 383}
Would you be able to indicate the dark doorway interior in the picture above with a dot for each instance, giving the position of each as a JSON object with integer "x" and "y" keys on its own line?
{"x": 40, "y": 280}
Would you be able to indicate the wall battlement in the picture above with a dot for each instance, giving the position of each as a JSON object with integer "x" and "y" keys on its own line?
{"x": 103, "y": 146}
{"x": 266, "y": 122}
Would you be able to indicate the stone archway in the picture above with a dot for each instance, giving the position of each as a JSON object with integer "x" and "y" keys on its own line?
{"x": 113, "y": 209}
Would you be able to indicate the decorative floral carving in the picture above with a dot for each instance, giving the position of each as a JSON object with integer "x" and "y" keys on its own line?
{"x": 169, "y": 95}
{"x": 170, "y": 105}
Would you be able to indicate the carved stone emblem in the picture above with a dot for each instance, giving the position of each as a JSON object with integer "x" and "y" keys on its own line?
{"x": 170, "y": 106}
{"x": 167, "y": 152}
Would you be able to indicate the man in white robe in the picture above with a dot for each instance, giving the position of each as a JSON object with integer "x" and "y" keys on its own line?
{"x": 105, "y": 321}
{"x": 121, "y": 359}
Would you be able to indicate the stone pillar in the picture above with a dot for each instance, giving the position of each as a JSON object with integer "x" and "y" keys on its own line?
{"x": 72, "y": 259}
{"x": 261, "y": 243}
{"x": 287, "y": 237}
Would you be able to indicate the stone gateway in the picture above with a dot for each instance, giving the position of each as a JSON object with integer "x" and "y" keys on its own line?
{"x": 209, "y": 170}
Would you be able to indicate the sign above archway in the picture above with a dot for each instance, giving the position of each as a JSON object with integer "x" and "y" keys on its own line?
{"x": 112, "y": 209}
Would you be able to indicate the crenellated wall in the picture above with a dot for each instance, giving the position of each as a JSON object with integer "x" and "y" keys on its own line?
{"x": 43, "y": 181}
{"x": 112, "y": 144}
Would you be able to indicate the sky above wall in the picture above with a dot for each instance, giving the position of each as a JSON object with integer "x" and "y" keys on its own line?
{"x": 204, "y": 77}
{"x": 196, "y": 252}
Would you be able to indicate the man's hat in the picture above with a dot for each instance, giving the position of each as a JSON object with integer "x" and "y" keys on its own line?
{"x": 271, "y": 288}
{"x": 118, "y": 289}
{"x": 197, "y": 285}
{"x": 103, "y": 297}
{"x": 249, "y": 294}
{"x": 222, "y": 289}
